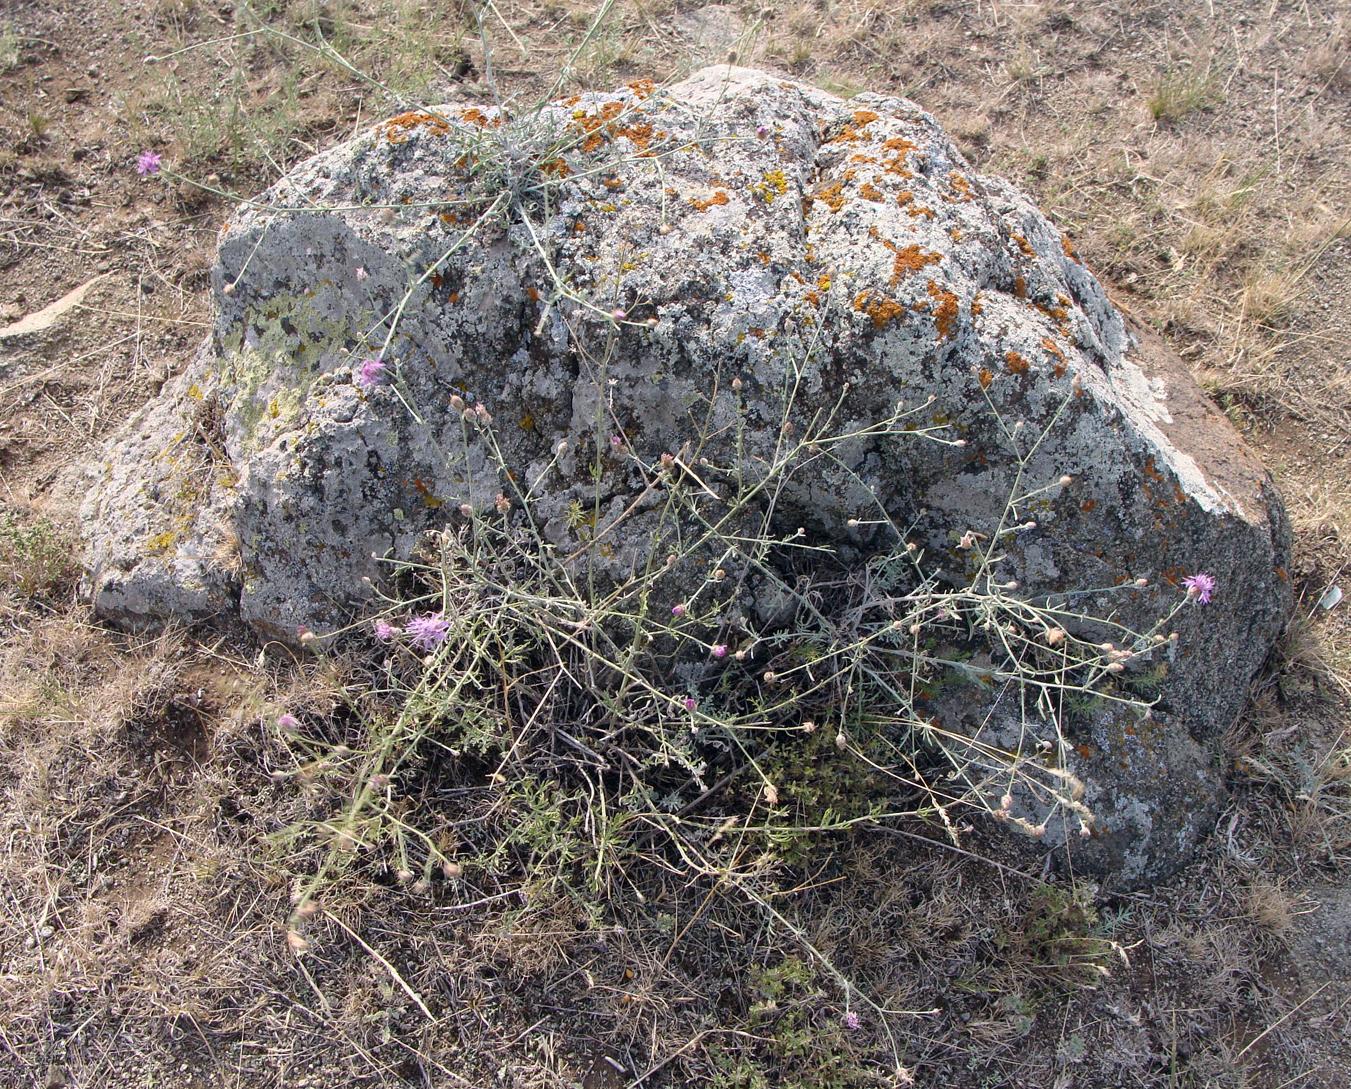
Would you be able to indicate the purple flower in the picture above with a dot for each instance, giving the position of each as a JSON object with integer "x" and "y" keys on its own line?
{"x": 1200, "y": 586}
{"x": 690, "y": 703}
{"x": 428, "y": 632}
{"x": 148, "y": 163}
{"x": 761, "y": 131}
{"x": 288, "y": 722}
{"x": 385, "y": 631}
{"x": 719, "y": 650}
{"x": 677, "y": 610}
{"x": 852, "y": 1021}
{"x": 616, "y": 442}
{"x": 370, "y": 372}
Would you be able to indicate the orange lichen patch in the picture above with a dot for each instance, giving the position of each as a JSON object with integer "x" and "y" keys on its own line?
{"x": 532, "y": 293}
{"x": 449, "y": 217}
{"x": 945, "y": 310}
{"x": 757, "y": 332}
{"x": 859, "y": 157}
{"x": 398, "y": 128}
{"x": 1024, "y": 245}
{"x": 904, "y": 197}
{"x": 985, "y": 377}
{"x": 917, "y": 210}
{"x": 1068, "y": 247}
{"x": 579, "y": 227}
{"x": 955, "y": 233}
{"x": 1015, "y": 363}
{"x": 864, "y": 117}
{"x": 454, "y": 297}
{"x": 643, "y": 88}
{"x": 882, "y": 310}
{"x": 475, "y": 116}
{"x": 613, "y": 183}
{"x": 868, "y": 191}
{"x": 960, "y": 185}
{"x": 901, "y": 144}
{"x": 832, "y": 196}
{"x": 639, "y": 133}
{"x": 1088, "y": 505}
{"x": 720, "y": 197}
{"x": 437, "y": 279}
{"x": 555, "y": 168}
{"x": 1020, "y": 286}
{"x": 1053, "y": 348}
{"x": 572, "y": 100}
{"x": 593, "y": 141}
{"x": 910, "y": 259}
{"x": 977, "y": 307}
{"x": 763, "y": 257}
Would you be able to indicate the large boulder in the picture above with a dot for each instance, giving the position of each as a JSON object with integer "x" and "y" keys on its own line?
{"x": 744, "y": 228}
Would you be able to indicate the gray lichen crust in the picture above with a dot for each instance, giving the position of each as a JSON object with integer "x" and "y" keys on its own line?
{"x": 748, "y": 228}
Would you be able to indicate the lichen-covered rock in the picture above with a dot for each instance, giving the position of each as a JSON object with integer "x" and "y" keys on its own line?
{"x": 747, "y": 228}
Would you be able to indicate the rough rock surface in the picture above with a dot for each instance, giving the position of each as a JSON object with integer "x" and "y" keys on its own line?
{"x": 745, "y": 225}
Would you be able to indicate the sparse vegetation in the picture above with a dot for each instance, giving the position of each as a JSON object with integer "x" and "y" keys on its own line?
{"x": 1182, "y": 91}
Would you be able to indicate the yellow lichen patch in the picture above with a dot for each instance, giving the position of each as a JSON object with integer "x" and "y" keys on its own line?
{"x": 397, "y": 129}
{"x": 868, "y": 191}
{"x": 1024, "y": 245}
{"x": 1015, "y": 363}
{"x": 161, "y": 544}
{"x": 1068, "y": 247}
{"x": 704, "y": 204}
{"x": 882, "y": 310}
{"x": 773, "y": 184}
{"x": 945, "y": 310}
{"x": 195, "y": 392}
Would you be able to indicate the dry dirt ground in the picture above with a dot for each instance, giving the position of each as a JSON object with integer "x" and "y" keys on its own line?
{"x": 1195, "y": 151}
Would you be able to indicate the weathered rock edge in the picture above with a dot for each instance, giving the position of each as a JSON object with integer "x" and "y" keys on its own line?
{"x": 752, "y": 218}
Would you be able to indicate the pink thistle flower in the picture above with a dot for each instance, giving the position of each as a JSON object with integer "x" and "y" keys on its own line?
{"x": 677, "y": 610}
{"x": 719, "y": 650}
{"x": 148, "y": 162}
{"x": 691, "y": 703}
{"x": 616, "y": 442}
{"x": 1200, "y": 586}
{"x": 852, "y": 1021}
{"x": 288, "y": 722}
{"x": 361, "y": 273}
{"x": 429, "y": 631}
{"x": 370, "y": 372}
{"x": 385, "y": 631}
